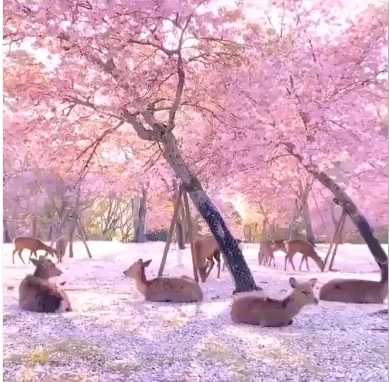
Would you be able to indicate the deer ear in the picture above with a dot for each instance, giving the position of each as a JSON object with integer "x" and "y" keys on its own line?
{"x": 146, "y": 263}
{"x": 35, "y": 262}
{"x": 312, "y": 282}
{"x": 293, "y": 282}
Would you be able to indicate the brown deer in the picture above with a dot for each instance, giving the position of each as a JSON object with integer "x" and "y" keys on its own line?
{"x": 60, "y": 245}
{"x": 206, "y": 251}
{"x": 164, "y": 289}
{"x": 254, "y": 309}
{"x": 291, "y": 247}
{"x": 38, "y": 294}
{"x": 34, "y": 245}
{"x": 266, "y": 252}
{"x": 357, "y": 291}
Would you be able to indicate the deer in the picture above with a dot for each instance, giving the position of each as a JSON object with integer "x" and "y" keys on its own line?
{"x": 357, "y": 291}
{"x": 206, "y": 251}
{"x": 34, "y": 245}
{"x": 60, "y": 245}
{"x": 255, "y": 309}
{"x": 291, "y": 247}
{"x": 164, "y": 289}
{"x": 38, "y": 294}
{"x": 266, "y": 252}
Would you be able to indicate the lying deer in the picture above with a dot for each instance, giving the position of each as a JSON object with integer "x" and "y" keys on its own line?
{"x": 38, "y": 294}
{"x": 357, "y": 291}
{"x": 254, "y": 309}
{"x": 164, "y": 289}
{"x": 291, "y": 247}
{"x": 60, "y": 245}
{"x": 266, "y": 252}
{"x": 34, "y": 245}
{"x": 206, "y": 251}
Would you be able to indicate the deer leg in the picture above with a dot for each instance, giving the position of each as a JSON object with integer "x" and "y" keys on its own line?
{"x": 20, "y": 255}
{"x": 301, "y": 264}
{"x": 291, "y": 261}
{"x": 306, "y": 261}
{"x": 13, "y": 255}
{"x": 218, "y": 268}
{"x": 274, "y": 261}
{"x": 211, "y": 265}
{"x": 286, "y": 260}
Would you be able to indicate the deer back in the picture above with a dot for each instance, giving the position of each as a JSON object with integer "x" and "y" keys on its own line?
{"x": 173, "y": 289}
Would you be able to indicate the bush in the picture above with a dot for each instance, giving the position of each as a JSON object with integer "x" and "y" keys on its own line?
{"x": 157, "y": 235}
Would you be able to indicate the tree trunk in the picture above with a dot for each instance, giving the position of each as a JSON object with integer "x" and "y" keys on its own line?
{"x": 264, "y": 229}
{"x": 237, "y": 265}
{"x": 292, "y": 220}
{"x": 6, "y": 236}
{"x": 304, "y": 197}
{"x": 344, "y": 201}
{"x": 34, "y": 228}
{"x": 141, "y": 234}
{"x": 179, "y": 224}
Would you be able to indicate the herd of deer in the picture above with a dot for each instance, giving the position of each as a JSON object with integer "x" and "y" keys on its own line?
{"x": 38, "y": 294}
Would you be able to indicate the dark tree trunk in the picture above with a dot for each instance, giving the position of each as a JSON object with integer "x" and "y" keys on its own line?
{"x": 34, "y": 228}
{"x": 237, "y": 265}
{"x": 264, "y": 229}
{"x": 293, "y": 220}
{"x": 304, "y": 197}
{"x": 139, "y": 210}
{"x": 179, "y": 224}
{"x": 344, "y": 201}
{"x": 6, "y": 235}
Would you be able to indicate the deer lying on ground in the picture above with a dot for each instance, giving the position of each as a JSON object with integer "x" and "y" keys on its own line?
{"x": 291, "y": 247}
{"x": 34, "y": 245}
{"x": 266, "y": 253}
{"x": 357, "y": 291}
{"x": 206, "y": 251}
{"x": 60, "y": 245}
{"x": 38, "y": 294}
{"x": 164, "y": 289}
{"x": 254, "y": 309}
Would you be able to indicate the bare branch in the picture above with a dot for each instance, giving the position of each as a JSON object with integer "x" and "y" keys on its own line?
{"x": 168, "y": 52}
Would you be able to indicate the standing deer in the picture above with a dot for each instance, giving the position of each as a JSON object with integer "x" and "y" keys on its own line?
{"x": 34, "y": 245}
{"x": 266, "y": 252}
{"x": 254, "y": 309}
{"x": 60, "y": 245}
{"x": 357, "y": 291}
{"x": 206, "y": 251}
{"x": 164, "y": 289}
{"x": 38, "y": 294}
{"x": 291, "y": 247}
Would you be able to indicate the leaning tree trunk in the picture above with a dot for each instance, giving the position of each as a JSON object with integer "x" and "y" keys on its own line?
{"x": 237, "y": 265}
{"x": 344, "y": 201}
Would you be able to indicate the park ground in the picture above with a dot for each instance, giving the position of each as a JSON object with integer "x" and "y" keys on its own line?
{"x": 113, "y": 335}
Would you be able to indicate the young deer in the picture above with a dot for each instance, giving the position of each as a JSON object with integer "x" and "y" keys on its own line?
{"x": 164, "y": 289}
{"x": 291, "y": 247}
{"x": 254, "y": 309}
{"x": 266, "y": 252}
{"x": 206, "y": 250}
{"x": 357, "y": 291}
{"x": 38, "y": 294}
{"x": 60, "y": 245}
{"x": 34, "y": 245}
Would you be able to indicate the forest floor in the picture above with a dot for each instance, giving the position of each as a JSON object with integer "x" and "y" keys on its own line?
{"x": 113, "y": 335}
